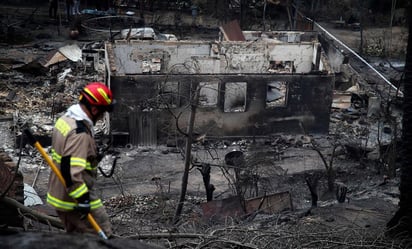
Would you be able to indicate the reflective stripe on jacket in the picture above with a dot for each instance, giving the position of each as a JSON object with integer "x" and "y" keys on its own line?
{"x": 74, "y": 153}
{"x": 69, "y": 205}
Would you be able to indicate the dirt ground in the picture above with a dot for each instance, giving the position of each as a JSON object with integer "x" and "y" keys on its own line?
{"x": 142, "y": 195}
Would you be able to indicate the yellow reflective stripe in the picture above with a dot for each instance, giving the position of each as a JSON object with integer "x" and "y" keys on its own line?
{"x": 62, "y": 127}
{"x": 103, "y": 93}
{"x": 77, "y": 161}
{"x": 81, "y": 190}
{"x": 56, "y": 157}
{"x": 91, "y": 95}
{"x": 89, "y": 166}
{"x": 74, "y": 161}
{"x": 69, "y": 206}
{"x": 96, "y": 204}
{"x": 59, "y": 203}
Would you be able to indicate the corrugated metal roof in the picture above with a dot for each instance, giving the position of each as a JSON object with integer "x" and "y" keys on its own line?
{"x": 69, "y": 52}
{"x": 72, "y": 52}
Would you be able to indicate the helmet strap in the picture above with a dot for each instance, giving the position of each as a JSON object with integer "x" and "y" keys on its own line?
{"x": 88, "y": 106}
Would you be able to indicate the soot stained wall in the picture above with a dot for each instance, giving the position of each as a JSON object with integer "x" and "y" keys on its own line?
{"x": 308, "y": 102}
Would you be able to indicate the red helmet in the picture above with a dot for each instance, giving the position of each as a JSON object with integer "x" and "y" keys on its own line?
{"x": 98, "y": 94}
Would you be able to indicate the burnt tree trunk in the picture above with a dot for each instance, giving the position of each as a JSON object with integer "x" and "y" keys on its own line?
{"x": 243, "y": 13}
{"x": 188, "y": 152}
{"x": 218, "y": 8}
{"x": 401, "y": 222}
{"x": 209, "y": 188}
{"x": 312, "y": 181}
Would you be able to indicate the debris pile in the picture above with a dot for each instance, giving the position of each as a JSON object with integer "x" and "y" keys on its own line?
{"x": 34, "y": 91}
{"x": 33, "y": 100}
{"x": 11, "y": 188}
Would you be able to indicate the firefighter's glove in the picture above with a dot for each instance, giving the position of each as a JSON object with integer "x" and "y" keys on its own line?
{"x": 83, "y": 204}
{"x": 83, "y": 208}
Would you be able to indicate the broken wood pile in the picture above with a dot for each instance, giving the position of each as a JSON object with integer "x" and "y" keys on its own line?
{"x": 337, "y": 226}
{"x": 11, "y": 186}
{"x": 16, "y": 239}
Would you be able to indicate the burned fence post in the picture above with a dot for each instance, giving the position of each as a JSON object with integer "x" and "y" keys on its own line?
{"x": 236, "y": 159}
{"x": 341, "y": 190}
{"x": 312, "y": 180}
{"x": 205, "y": 171}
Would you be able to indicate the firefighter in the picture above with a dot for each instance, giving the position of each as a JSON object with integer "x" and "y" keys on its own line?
{"x": 74, "y": 152}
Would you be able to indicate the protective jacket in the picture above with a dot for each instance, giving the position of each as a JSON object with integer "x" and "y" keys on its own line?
{"x": 74, "y": 152}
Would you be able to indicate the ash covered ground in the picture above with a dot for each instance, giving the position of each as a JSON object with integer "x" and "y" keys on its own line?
{"x": 142, "y": 194}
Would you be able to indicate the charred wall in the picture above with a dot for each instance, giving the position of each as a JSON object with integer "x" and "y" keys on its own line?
{"x": 229, "y": 105}
{"x": 336, "y": 56}
{"x": 270, "y": 83}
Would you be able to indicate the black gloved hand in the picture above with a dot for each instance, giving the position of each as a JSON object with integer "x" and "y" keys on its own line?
{"x": 83, "y": 207}
{"x": 99, "y": 157}
{"x": 83, "y": 204}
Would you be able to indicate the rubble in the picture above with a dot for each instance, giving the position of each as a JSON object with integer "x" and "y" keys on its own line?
{"x": 142, "y": 191}
{"x": 11, "y": 186}
{"x": 347, "y": 122}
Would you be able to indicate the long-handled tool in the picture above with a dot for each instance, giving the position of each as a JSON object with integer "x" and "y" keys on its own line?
{"x": 38, "y": 146}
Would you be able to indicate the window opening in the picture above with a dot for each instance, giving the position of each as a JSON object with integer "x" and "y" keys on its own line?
{"x": 281, "y": 67}
{"x": 235, "y": 97}
{"x": 209, "y": 93}
{"x": 276, "y": 94}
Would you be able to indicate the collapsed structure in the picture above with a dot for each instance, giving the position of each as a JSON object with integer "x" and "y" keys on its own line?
{"x": 272, "y": 82}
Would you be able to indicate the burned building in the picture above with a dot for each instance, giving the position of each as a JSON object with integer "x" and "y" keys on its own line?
{"x": 270, "y": 83}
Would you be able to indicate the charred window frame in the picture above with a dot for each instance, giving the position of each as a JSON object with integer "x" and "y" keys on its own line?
{"x": 152, "y": 65}
{"x": 235, "y": 97}
{"x": 209, "y": 94}
{"x": 281, "y": 67}
{"x": 276, "y": 94}
{"x": 168, "y": 96}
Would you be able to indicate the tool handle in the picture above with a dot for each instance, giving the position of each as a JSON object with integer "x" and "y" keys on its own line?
{"x": 36, "y": 144}
{"x": 96, "y": 226}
